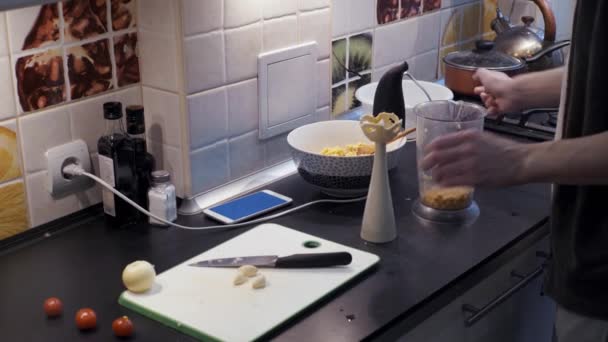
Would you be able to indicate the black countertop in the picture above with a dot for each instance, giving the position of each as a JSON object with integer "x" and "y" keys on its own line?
{"x": 81, "y": 262}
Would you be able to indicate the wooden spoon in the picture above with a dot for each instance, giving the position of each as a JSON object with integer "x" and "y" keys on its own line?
{"x": 403, "y": 134}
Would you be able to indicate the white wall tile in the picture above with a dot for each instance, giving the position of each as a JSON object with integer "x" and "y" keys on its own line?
{"x": 128, "y": 96}
{"x": 163, "y": 117}
{"x": 394, "y": 43}
{"x": 158, "y": 60}
{"x": 340, "y": 17}
{"x": 377, "y": 73}
{"x": 204, "y": 58}
{"x": 427, "y": 37}
{"x": 322, "y": 114}
{"x": 277, "y": 150}
{"x": 306, "y": 5}
{"x": 243, "y": 108}
{"x": 453, "y": 3}
{"x": 7, "y": 96}
{"x": 170, "y": 159}
{"x": 41, "y": 131}
{"x": 201, "y": 16}
{"x": 208, "y": 117}
{"x": 246, "y": 155}
{"x": 324, "y": 78}
{"x": 20, "y": 22}
{"x": 278, "y": 8}
{"x": 3, "y": 35}
{"x": 42, "y": 206}
{"x": 238, "y": 12}
{"x": 315, "y": 26}
{"x": 243, "y": 45}
{"x": 157, "y": 15}
{"x": 425, "y": 66}
{"x": 209, "y": 167}
{"x": 362, "y": 15}
{"x": 87, "y": 122}
{"x": 280, "y": 33}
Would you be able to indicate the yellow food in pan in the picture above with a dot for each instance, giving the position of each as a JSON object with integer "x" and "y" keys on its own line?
{"x": 350, "y": 150}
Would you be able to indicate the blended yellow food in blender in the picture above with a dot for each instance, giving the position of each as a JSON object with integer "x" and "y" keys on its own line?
{"x": 453, "y": 198}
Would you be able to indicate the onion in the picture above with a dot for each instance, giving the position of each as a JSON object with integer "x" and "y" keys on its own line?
{"x": 138, "y": 276}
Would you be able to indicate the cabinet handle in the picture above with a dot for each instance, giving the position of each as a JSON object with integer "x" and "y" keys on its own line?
{"x": 477, "y": 314}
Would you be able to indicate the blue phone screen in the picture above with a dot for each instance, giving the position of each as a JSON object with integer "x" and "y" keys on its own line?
{"x": 248, "y": 205}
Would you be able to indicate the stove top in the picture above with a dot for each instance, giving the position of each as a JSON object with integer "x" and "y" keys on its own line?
{"x": 536, "y": 124}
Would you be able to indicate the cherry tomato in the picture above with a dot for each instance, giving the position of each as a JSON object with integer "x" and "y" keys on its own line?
{"x": 53, "y": 307}
{"x": 122, "y": 326}
{"x": 86, "y": 319}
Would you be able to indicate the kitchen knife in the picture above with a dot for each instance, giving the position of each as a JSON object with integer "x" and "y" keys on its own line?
{"x": 309, "y": 260}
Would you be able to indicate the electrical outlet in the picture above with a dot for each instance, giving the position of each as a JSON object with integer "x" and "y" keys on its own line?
{"x": 60, "y": 156}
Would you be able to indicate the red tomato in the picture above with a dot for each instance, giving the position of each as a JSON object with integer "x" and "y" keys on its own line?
{"x": 86, "y": 319}
{"x": 122, "y": 326}
{"x": 53, "y": 307}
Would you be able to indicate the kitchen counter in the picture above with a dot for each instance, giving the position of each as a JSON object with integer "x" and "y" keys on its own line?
{"x": 80, "y": 261}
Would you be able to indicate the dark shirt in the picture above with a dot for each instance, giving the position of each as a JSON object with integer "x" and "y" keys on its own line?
{"x": 578, "y": 275}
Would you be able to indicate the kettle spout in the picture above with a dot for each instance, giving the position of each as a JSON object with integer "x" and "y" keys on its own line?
{"x": 500, "y": 23}
{"x": 389, "y": 93}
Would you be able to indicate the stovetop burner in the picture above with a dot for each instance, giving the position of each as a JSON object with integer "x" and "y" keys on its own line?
{"x": 536, "y": 124}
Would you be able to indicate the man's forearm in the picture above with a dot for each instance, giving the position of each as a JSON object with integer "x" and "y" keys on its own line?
{"x": 539, "y": 89}
{"x": 580, "y": 161}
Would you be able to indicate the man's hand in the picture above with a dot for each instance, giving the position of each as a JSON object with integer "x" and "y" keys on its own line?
{"x": 475, "y": 158}
{"x": 498, "y": 92}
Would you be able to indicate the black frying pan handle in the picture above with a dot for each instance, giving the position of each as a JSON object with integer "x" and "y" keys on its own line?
{"x": 314, "y": 260}
{"x": 547, "y": 50}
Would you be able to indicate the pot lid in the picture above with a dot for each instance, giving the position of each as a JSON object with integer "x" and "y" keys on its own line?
{"x": 483, "y": 56}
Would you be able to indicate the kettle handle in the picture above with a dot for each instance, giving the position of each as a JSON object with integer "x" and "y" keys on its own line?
{"x": 548, "y": 18}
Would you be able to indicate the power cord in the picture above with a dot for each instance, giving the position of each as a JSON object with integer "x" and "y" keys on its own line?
{"x": 76, "y": 171}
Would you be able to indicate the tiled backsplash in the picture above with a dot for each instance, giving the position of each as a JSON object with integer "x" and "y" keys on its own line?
{"x": 198, "y": 80}
{"x": 58, "y": 64}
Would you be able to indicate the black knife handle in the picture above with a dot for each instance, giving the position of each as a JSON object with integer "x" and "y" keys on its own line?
{"x": 313, "y": 260}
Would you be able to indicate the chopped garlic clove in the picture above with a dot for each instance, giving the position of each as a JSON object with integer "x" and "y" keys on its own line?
{"x": 248, "y": 270}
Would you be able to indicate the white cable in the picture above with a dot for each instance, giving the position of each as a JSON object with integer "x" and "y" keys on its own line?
{"x": 75, "y": 170}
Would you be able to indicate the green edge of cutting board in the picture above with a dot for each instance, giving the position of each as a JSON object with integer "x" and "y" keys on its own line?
{"x": 186, "y": 329}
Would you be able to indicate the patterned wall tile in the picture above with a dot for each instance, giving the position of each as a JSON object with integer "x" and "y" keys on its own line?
{"x": 339, "y": 100}
{"x": 410, "y": 8}
{"x": 84, "y": 19}
{"x": 471, "y": 22}
{"x": 13, "y": 209}
{"x": 338, "y": 60}
{"x": 488, "y": 13}
{"x": 40, "y": 81}
{"x": 360, "y": 52}
{"x": 9, "y": 154}
{"x": 34, "y": 27}
{"x": 89, "y": 69}
{"x": 126, "y": 56}
{"x": 387, "y": 11}
{"x": 431, "y": 5}
{"x": 124, "y": 14}
{"x": 352, "y": 88}
{"x": 7, "y": 95}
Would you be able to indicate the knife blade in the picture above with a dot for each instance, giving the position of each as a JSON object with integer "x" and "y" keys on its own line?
{"x": 307, "y": 260}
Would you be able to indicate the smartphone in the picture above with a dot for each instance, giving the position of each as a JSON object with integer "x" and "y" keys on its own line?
{"x": 246, "y": 207}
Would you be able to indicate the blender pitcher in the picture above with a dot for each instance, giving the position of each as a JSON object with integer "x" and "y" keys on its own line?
{"x": 434, "y": 119}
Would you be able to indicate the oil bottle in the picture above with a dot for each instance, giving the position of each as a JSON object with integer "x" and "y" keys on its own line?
{"x": 115, "y": 168}
{"x": 142, "y": 162}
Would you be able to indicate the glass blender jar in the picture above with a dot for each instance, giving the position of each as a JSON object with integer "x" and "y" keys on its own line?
{"x": 435, "y": 119}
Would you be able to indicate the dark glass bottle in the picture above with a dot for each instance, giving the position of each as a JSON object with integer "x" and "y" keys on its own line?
{"x": 143, "y": 163}
{"x": 115, "y": 168}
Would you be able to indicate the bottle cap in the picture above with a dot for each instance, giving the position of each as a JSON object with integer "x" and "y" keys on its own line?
{"x": 136, "y": 123}
{"x": 112, "y": 110}
{"x": 161, "y": 176}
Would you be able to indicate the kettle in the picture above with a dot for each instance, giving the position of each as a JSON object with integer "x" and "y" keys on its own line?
{"x": 527, "y": 42}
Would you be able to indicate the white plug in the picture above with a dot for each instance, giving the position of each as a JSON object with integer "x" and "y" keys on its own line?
{"x": 57, "y": 158}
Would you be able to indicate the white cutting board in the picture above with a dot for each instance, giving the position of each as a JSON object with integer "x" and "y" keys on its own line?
{"x": 203, "y": 303}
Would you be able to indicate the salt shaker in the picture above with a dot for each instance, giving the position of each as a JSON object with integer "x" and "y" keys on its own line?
{"x": 161, "y": 198}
